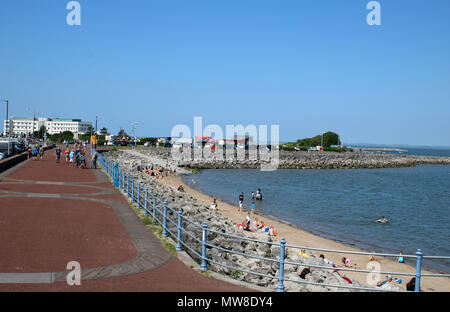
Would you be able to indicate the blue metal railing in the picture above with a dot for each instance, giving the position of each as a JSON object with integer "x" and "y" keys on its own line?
{"x": 150, "y": 202}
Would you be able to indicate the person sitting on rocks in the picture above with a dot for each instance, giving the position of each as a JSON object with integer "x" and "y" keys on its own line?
{"x": 411, "y": 285}
{"x": 324, "y": 259}
{"x": 272, "y": 231}
{"x": 246, "y": 227}
{"x": 181, "y": 189}
{"x": 261, "y": 226}
{"x": 255, "y": 224}
{"x": 388, "y": 280}
{"x": 213, "y": 204}
{"x": 346, "y": 261}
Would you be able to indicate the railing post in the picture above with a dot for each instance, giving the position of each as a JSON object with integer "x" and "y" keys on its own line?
{"x": 116, "y": 174}
{"x": 180, "y": 213}
{"x": 281, "y": 275}
{"x": 139, "y": 196}
{"x": 164, "y": 233}
{"x": 119, "y": 177}
{"x": 154, "y": 208}
{"x": 203, "y": 266}
{"x": 123, "y": 181}
{"x": 132, "y": 190}
{"x": 146, "y": 201}
{"x": 128, "y": 185}
{"x": 418, "y": 269}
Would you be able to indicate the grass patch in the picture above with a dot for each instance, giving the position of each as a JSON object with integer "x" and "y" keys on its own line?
{"x": 147, "y": 220}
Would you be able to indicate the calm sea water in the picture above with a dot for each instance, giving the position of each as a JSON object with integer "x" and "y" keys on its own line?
{"x": 343, "y": 204}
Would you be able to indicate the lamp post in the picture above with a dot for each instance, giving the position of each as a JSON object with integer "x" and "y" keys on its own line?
{"x": 95, "y": 144}
{"x": 134, "y": 124}
{"x": 9, "y": 123}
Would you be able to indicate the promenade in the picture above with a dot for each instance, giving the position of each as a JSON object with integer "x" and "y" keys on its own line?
{"x": 51, "y": 214}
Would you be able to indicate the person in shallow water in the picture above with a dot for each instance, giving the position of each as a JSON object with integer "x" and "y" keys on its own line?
{"x": 258, "y": 194}
{"x": 382, "y": 220}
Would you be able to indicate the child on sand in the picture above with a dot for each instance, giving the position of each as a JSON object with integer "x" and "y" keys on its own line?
{"x": 271, "y": 231}
{"x": 400, "y": 259}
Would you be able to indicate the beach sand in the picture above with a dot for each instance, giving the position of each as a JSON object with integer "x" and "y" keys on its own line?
{"x": 298, "y": 237}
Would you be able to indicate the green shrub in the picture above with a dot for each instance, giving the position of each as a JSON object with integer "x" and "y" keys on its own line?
{"x": 236, "y": 274}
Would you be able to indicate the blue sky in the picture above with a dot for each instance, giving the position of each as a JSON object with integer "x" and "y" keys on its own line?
{"x": 308, "y": 66}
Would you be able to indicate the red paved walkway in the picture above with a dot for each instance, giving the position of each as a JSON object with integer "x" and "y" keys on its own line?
{"x": 44, "y": 225}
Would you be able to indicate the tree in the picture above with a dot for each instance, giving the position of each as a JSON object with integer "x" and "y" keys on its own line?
{"x": 151, "y": 140}
{"x": 67, "y": 136}
{"x": 42, "y": 132}
{"x": 330, "y": 138}
{"x": 54, "y": 137}
{"x": 85, "y": 137}
{"x": 104, "y": 131}
{"x": 122, "y": 134}
{"x": 101, "y": 140}
{"x": 90, "y": 130}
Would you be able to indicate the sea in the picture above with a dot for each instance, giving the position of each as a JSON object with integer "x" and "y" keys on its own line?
{"x": 343, "y": 204}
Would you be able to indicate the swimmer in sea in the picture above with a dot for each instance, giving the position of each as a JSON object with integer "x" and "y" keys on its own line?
{"x": 382, "y": 220}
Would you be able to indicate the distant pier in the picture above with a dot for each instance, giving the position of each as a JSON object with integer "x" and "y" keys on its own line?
{"x": 378, "y": 149}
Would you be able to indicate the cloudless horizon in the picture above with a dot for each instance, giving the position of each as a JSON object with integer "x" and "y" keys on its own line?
{"x": 307, "y": 66}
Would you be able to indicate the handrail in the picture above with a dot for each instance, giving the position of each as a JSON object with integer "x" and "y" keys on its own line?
{"x": 347, "y": 269}
{"x": 341, "y": 286}
{"x": 351, "y": 252}
{"x": 136, "y": 196}
{"x": 241, "y": 253}
{"x": 244, "y": 238}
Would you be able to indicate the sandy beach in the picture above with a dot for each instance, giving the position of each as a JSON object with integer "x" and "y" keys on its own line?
{"x": 298, "y": 237}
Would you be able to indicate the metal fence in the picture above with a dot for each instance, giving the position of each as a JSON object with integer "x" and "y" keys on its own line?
{"x": 173, "y": 224}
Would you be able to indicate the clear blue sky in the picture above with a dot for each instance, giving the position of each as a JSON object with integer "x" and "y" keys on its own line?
{"x": 308, "y": 66}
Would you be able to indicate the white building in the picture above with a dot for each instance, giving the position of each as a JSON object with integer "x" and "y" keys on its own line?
{"x": 24, "y": 126}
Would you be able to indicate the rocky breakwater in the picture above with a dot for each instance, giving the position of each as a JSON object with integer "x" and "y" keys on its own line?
{"x": 296, "y": 160}
{"x": 265, "y": 247}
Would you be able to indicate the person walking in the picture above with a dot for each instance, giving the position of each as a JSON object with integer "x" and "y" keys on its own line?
{"x": 35, "y": 152}
{"x": 71, "y": 156}
{"x": 94, "y": 161}
{"x": 58, "y": 154}
{"x": 67, "y": 155}
{"x": 41, "y": 152}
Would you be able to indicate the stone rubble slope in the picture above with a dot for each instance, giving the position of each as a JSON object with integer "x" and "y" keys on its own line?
{"x": 200, "y": 213}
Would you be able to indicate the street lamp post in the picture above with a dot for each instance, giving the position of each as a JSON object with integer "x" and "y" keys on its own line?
{"x": 9, "y": 124}
{"x": 95, "y": 144}
{"x": 134, "y": 124}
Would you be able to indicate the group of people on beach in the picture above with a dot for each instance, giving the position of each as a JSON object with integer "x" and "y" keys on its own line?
{"x": 157, "y": 172}
{"x": 257, "y": 196}
{"x": 255, "y": 226}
